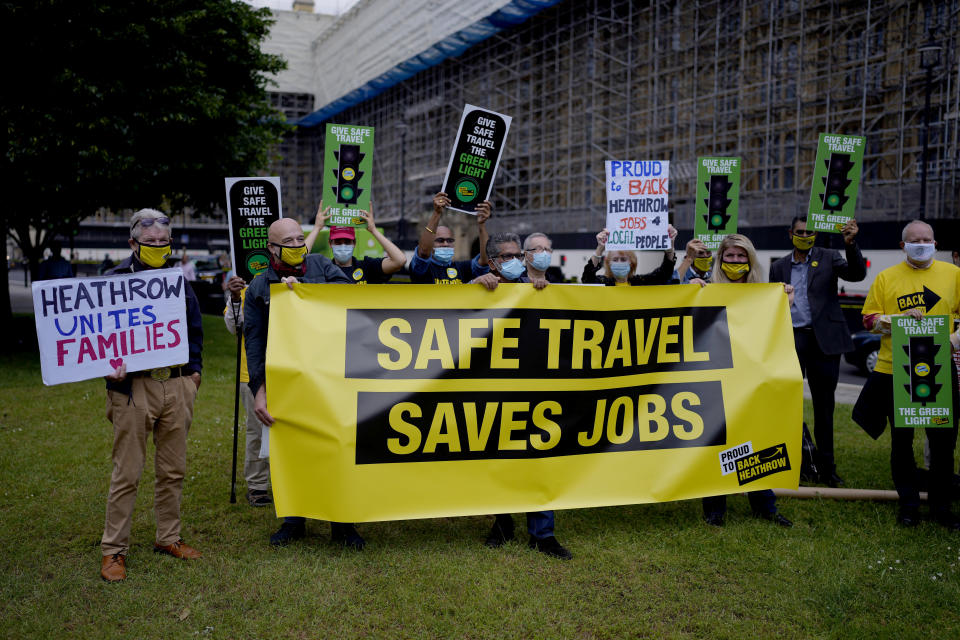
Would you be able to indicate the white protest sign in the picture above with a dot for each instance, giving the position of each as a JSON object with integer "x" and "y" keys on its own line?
{"x": 87, "y": 327}
{"x": 637, "y": 195}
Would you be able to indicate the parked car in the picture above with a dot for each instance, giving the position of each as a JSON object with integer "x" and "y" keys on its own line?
{"x": 866, "y": 346}
{"x": 209, "y": 285}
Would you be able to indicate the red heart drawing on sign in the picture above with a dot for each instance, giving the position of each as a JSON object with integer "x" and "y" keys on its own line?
{"x": 116, "y": 363}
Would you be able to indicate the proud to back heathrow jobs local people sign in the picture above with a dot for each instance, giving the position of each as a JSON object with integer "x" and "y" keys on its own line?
{"x": 476, "y": 156}
{"x": 637, "y": 197}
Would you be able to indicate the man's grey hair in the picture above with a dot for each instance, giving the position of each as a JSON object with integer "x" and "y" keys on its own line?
{"x": 527, "y": 241}
{"x": 136, "y": 228}
{"x": 497, "y": 239}
{"x": 903, "y": 236}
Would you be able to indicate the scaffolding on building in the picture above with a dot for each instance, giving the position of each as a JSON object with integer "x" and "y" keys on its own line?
{"x": 673, "y": 80}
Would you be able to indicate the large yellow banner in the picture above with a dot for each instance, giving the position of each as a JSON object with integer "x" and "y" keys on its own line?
{"x": 416, "y": 401}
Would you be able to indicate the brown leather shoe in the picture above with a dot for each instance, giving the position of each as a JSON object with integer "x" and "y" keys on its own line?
{"x": 113, "y": 568}
{"x": 178, "y": 549}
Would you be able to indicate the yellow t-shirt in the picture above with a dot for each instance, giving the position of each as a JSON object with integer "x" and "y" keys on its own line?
{"x": 244, "y": 374}
{"x": 935, "y": 290}
{"x": 625, "y": 283}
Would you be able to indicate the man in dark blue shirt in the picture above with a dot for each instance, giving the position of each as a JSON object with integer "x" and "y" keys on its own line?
{"x": 432, "y": 261}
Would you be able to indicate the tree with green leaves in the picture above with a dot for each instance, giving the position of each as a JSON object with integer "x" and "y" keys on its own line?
{"x": 118, "y": 104}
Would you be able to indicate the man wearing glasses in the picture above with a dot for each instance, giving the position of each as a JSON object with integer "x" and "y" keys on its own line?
{"x": 158, "y": 402}
{"x": 432, "y": 261}
{"x": 538, "y": 253}
{"x": 820, "y": 332}
{"x": 505, "y": 267}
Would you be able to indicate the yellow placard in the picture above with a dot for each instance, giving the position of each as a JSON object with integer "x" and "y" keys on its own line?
{"x": 415, "y": 401}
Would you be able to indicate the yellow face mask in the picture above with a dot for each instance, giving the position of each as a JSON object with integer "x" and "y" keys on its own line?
{"x": 153, "y": 255}
{"x": 703, "y": 265}
{"x": 735, "y": 270}
{"x": 293, "y": 256}
{"x": 803, "y": 243}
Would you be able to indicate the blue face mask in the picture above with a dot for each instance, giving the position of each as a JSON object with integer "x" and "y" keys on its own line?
{"x": 342, "y": 252}
{"x": 620, "y": 269}
{"x": 511, "y": 269}
{"x": 541, "y": 261}
{"x": 443, "y": 255}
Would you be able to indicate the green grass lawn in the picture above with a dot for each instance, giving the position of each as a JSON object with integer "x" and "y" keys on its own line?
{"x": 845, "y": 570}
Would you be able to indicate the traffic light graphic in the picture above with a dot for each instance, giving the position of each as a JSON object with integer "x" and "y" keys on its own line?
{"x": 836, "y": 181}
{"x": 922, "y": 370}
{"x": 348, "y": 173}
{"x": 717, "y": 203}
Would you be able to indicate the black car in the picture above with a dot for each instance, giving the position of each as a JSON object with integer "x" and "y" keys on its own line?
{"x": 866, "y": 346}
{"x": 209, "y": 285}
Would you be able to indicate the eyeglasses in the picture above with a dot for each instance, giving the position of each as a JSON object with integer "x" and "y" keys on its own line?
{"x": 146, "y": 223}
{"x": 440, "y": 240}
{"x": 510, "y": 256}
{"x": 540, "y": 250}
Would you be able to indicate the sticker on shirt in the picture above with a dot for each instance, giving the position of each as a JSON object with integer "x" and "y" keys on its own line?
{"x": 358, "y": 274}
{"x": 451, "y": 272}
{"x": 925, "y": 299}
{"x": 814, "y": 263}
{"x": 729, "y": 457}
{"x": 763, "y": 463}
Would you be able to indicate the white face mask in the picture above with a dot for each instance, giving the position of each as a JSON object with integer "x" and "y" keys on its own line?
{"x": 920, "y": 253}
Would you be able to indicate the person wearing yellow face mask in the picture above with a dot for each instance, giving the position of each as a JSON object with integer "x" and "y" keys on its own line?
{"x": 737, "y": 262}
{"x": 157, "y": 402}
{"x": 820, "y": 332}
{"x": 289, "y": 263}
{"x": 697, "y": 263}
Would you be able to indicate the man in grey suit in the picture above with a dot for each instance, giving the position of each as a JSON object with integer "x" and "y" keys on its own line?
{"x": 820, "y": 332}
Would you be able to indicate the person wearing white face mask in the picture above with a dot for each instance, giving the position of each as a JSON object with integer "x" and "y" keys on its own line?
{"x": 343, "y": 243}
{"x": 620, "y": 266}
{"x": 918, "y": 286}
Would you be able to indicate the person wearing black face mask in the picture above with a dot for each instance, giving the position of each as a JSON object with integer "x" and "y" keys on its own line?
{"x": 820, "y": 332}
{"x": 290, "y": 264}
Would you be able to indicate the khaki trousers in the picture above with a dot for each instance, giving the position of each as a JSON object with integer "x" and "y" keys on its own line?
{"x": 164, "y": 409}
{"x": 256, "y": 470}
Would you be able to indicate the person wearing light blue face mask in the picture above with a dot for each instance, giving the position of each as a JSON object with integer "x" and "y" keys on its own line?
{"x": 433, "y": 262}
{"x": 538, "y": 253}
{"x": 620, "y": 267}
{"x": 505, "y": 268}
{"x": 343, "y": 243}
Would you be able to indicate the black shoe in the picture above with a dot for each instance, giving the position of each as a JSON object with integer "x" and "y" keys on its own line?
{"x": 500, "y": 533}
{"x": 259, "y": 498}
{"x": 345, "y": 534}
{"x": 946, "y": 519}
{"x": 808, "y": 477}
{"x": 551, "y": 547}
{"x": 831, "y": 479}
{"x": 908, "y": 517}
{"x": 714, "y": 519}
{"x": 288, "y": 532}
{"x": 776, "y": 519}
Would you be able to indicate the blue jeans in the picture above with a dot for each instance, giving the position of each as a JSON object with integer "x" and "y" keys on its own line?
{"x": 539, "y": 523}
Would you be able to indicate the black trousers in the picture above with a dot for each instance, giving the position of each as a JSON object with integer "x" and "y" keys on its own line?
{"x": 874, "y": 408}
{"x": 822, "y": 372}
